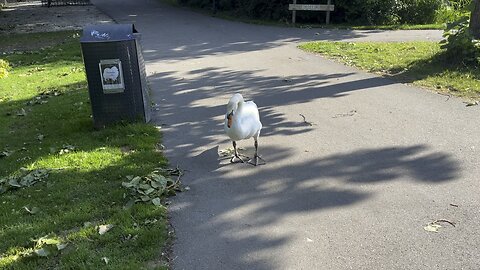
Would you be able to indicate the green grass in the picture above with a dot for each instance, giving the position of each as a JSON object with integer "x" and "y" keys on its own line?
{"x": 32, "y": 41}
{"x": 438, "y": 26}
{"x": 84, "y": 185}
{"x": 419, "y": 63}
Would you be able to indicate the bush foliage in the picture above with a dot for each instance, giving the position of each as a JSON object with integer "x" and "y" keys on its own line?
{"x": 365, "y": 11}
{"x": 417, "y": 11}
{"x": 346, "y": 11}
{"x": 459, "y": 44}
{"x": 453, "y": 10}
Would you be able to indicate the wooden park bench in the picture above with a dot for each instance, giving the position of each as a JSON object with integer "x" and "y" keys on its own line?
{"x": 294, "y": 7}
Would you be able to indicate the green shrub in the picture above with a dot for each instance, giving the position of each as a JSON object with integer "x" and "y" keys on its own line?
{"x": 364, "y": 11}
{"x": 379, "y": 12}
{"x": 4, "y": 68}
{"x": 459, "y": 4}
{"x": 459, "y": 44}
{"x": 452, "y": 10}
{"x": 372, "y": 12}
{"x": 417, "y": 11}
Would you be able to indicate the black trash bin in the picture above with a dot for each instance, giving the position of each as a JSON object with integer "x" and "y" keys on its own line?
{"x": 115, "y": 73}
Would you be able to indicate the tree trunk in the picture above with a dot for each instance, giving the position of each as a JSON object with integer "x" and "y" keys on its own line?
{"x": 475, "y": 19}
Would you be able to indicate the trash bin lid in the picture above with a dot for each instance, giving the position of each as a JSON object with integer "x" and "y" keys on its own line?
{"x": 108, "y": 32}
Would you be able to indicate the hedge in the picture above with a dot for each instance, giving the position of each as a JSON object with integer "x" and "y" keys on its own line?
{"x": 346, "y": 11}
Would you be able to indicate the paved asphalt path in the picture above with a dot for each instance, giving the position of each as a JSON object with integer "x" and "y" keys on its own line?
{"x": 353, "y": 190}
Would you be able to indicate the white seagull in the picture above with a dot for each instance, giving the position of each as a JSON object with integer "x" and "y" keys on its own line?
{"x": 242, "y": 122}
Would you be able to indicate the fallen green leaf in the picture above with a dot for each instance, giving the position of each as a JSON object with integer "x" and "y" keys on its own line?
{"x": 129, "y": 204}
{"x": 149, "y": 190}
{"x": 135, "y": 181}
{"x": 144, "y": 186}
{"x": 105, "y": 259}
{"x": 61, "y": 246}
{"x": 47, "y": 240}
{"x": 42, "y": 252}
{"x": 29, "y": 180}
{"x": 21, "y": 112}
{"x": 32, "y": 211}
{"x": 150, "y": 221}
{"x": 432, "y": 227}
{"x": 156, "y": 201}
{"x": 87, "y": 224}
{"x": 160, "y": 180}
{"x": 67, "y": 149}
{"x": 14, "y": 183}
{"x": 152, "y": 187}
{"x": 127, "y": 184}
{"x": 102, "y": 229}
{"x": 5, "y": 153}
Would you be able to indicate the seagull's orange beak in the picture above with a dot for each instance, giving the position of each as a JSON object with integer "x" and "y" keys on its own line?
{"x": 229, "y": 119}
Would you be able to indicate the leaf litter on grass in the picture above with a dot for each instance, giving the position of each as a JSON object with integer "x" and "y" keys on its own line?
{"x": 67, "y": 148}
{"x": 45, "y": 246}
{"x": 154, "y": 187}
{"x": 34, "y": 210}
{"x": 48, "y": 244}
{"x": 70, "y": 218}
{"x": 103, "y": 229}
{"x": 5, "y": 153}
{"x": 21, "y": 112}
{"x": 26, "y": 179}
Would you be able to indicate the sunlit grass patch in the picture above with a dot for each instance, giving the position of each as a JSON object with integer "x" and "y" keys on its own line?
{"x": 46, "y": 124}
{"x": 419, "y": 63}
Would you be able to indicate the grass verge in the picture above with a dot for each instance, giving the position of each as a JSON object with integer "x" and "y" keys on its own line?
{"x": 418, "y": 63}
{"x": 46, "y": 124}
{"x": 437, "y": 26}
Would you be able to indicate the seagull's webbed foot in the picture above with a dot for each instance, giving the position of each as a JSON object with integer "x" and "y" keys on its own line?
{"x": 254, "y": 161}
{"x": 238, "y": 159}
{"x": 236, "y": 155}
{"x": 256, "y": 157}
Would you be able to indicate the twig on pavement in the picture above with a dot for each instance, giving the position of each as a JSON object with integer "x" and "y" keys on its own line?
{"x": 305, "y": 120}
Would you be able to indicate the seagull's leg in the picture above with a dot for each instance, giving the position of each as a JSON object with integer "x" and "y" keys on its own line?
{"x": 236, "y": 155}
{"x": 256, "y": 157}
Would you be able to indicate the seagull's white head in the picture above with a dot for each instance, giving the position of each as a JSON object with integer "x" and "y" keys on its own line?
{"x": 232, "y": 108}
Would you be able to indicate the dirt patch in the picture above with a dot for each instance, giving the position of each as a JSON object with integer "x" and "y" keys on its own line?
{"x": 31, "y": 17}
{"x": 26, "y": 17}
{"x": 21, "y": 43}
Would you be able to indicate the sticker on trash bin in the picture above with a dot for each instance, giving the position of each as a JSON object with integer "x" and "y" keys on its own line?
{"x": 112, "y": 76}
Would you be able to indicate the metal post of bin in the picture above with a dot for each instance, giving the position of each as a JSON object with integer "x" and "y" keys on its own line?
{"x": 116, "y": 74}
